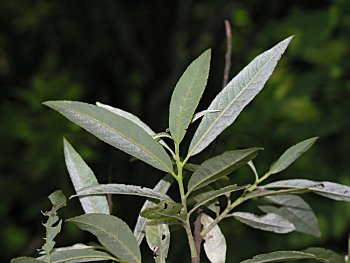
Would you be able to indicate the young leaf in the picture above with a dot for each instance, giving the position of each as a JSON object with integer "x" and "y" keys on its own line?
{"x": 158, "y": 239}
{"x": 290, "y": 155}
{"x": 219, "y": 166}
{"x": 326, "y": 254}
{"x": 282, "y": 256}
{"x": 296, "y": 210}
{"x": 214, "y": 242}
{"x": 187, "y": 94}
{"x": 164, "y": 210}
{"x": 113, "y": 233}
{"x": 78, "y": 255}
{"x": 123, "y": 189}
{"x": 330, "y": 190}
{"x": 82, "y": 176}
{"x": 235, "y": 96}
{"x": 25, "y": 260}
{"x": 116, "y": 131}
{"x": 162, "y": 187}
{"x": 269, "y": 222}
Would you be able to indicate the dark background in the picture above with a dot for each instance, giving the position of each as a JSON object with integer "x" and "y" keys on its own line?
{"x": 129, "y": 54}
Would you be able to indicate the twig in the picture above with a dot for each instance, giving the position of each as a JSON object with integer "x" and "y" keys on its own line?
{"x": 109, "y": 196}
{"x": 197, "y": 232}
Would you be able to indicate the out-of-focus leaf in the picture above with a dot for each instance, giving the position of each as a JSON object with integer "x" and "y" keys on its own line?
{"x": 291, "y": 154}
{"x": 164, "y": 210}
{"x": 26, "y": 260}
{"x": 113, "y": 233}
{"x": 282, "y": 256}
{"x": 57, "y": 199}
{"x": 330, "y": 190}
{"x": 214, "y": 242}
{"x": 326, "y": 254}
{"x": 269, "y": 222}
{"x": 78, "y": 255}
{"x": 158, "y": 239}
{"x": 186, "y": 95}
{"x": 219, "y": 166}
{"x": 82, "y": 176}
{"x": 235, "y": 96}
{"x": 116, "y": 131}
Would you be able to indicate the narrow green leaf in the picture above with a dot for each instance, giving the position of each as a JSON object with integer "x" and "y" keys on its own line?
{"x": 200, "y": 114}
{"x": 214, "y": 242}
{"x": 25, "y": 260}
{"x": 330, "y": 190}
{"x": 282, "y": 256}
{"x": 78, "y": 255}
{"x": 213, "y": 204}
{"x": 269, "y": 222}
{"x": 291, "y": 154}
{"x": 162, "y": 187}
{"x": 295, "y": 210}
{"x": 261, "y": 192}
{"x": 82, "y": 176}
{"x": 123, "y": 189}
{"x": 326, "y": 254}
{"x": 158, "y": 239}
{"x": 186, "y": 95}
{"x": 116, "y": 131}
{"x": 235, "y": 96}
{"x": 219, "y": 166}
{"x": 113, "y": 233}
{"x": 164, "y": 210}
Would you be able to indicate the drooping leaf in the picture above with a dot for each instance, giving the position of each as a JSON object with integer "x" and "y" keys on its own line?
{"x": 164, "y": 210}
{"x": 158, "y": 239}
{"x": 25, "y": 260}
{"x": 235, "y": 96}
{"x": 214, "y": 242}
{"x": 295, "y": 210}
{"x": 78, "y": 255}
{"x": 219, "y": 166}
{"x": 282, "y": 256}
{"x": 291, "y": 154}
{"x": 123, "y": 189}
{"x": 116, "y": 131}
{"x": 330, "y": 190}
{"x": 113, "y": 233}
{"x": 326, "y": 254}
{"x": 269, "y": 222}
{"x": 82, "y": 176}
{"x": 162, "y": 187}
{"x": 187, "y": 94}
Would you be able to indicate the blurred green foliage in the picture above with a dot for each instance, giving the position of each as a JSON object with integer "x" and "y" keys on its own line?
{"x": 130, "y": 54}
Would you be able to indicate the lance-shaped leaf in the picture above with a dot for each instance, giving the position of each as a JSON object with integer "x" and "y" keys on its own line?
{"x": 82, "y": 176}
{"x": 330, "y": 190}
{"x": 282, "y": 256}
{"x": 291, "y": 154}
{"x": 214, "y": 242}
{"x": 187, "y": 94}
{"x": 123, "y": 189}
{"x": 235, "y": 96}
{"x": 162, "y": 187}
{"x": 113, "y": 233}
{"x": 326, "y": 254}
{"x": 116, "y": 131}
{"x": 25, "y": 260}
{"x": 219, "y": 166}
{"x": 78, "y": 255}
{"x": 158, "y": 239}
{"x": 164, "y": 210}
{"x": 269, "y": 222}
{"x": 294, "y": 209}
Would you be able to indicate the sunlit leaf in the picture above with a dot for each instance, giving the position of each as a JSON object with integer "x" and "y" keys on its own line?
{"x": 78, "y": 255}
{"x": 282, "y": 256}
{"x": 164, "y": 210}
{"x": 269, "y": 222}
{"x": 291, "y": 154}
{"x": 82, "y": 176}
{"x": 116, "y": 131}
{"x": 187, "y": 94}
{"x": 235, "y": 96}
{"x": 214, "y": 242}
{"x": 219, "y": 166}
{"x": 158, "y": 239}
{"x": 26, "y": 260}
{"x": 113, "y": 233}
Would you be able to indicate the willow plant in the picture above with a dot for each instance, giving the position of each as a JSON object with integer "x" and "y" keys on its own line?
{"x": 209, "y": 189}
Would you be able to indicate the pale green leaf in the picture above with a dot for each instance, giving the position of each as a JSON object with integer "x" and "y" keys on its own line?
{"x": 186, "y": 95}
{"x": 213, "y": 204}
{"x": 162, "y": 187}
{"x": 330, "y": 190}
{"x": 164, "y": 210}
{"x": 219, "y": 166}
{"x": 123, "y": 189}
{"x": 235, "y": 96}
{"x": 78, "y": 255}
{"x": 295, "y": 210}
{"x": 291, "y": 154}
{"x": 269, "y": 222}
{"x": 158, "y": 239}
{"x": 328, "y": 255}
{"x": 282, "y": 256}
{"x": 57, "y": 199}
{"x": 113, "y": 233}
{"x": 200, "y": 114}
{"x": 261, "y": 192}
{"x": 116, "y": 131}
{"x": 214, "y": 242}
{"x": 82, "y": 176}
{"x": 25, "y": 260}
